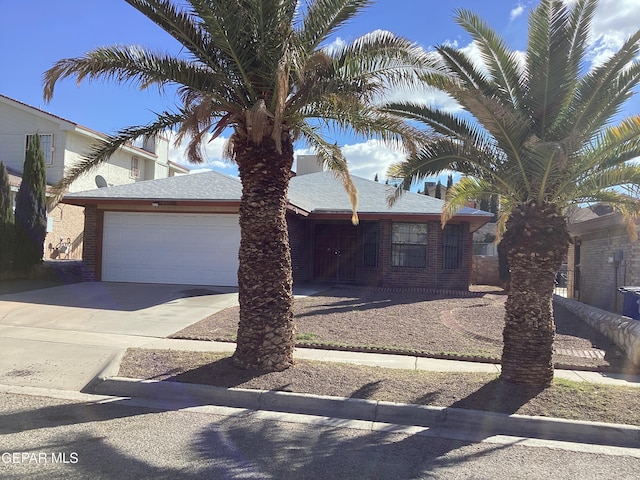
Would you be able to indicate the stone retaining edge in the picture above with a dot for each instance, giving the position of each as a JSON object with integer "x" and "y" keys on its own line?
{"x": 623, "y": 331}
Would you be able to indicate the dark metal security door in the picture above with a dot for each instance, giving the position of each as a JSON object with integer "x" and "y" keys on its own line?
{"x": 335, "y": 252}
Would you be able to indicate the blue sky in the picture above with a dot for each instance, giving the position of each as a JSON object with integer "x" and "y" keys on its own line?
{"x": 34, "y": 35}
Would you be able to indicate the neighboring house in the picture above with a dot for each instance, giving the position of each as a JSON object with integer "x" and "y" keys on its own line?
{"x": 601, "y": 258}
{"x": 185, "y": 230}
{"x": 64, "y": 142}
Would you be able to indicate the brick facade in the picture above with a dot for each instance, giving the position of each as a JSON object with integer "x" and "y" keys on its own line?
{"x": 68, "y": 227}
{"x": 300, "y": 237}
{"x": 92, "y": 241}
{"x": 302, "y": 241}
{"x": 600, "y": 274}
{"x": 434, "y": 276}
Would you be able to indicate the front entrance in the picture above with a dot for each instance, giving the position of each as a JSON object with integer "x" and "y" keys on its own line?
{"x": 335, "y": 252}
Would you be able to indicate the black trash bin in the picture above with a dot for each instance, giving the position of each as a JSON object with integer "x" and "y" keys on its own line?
{"x": 630, "y": 304}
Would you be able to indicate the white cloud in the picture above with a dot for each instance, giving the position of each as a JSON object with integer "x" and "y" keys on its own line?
{"x": 337, "y": 44}
{"x": 516, "y": 12}
{"x": 451, "y": 43}
{"x": 614, "y": 21}
{"x": 212, "y": 152}
{"x": 367, "y": 159}
{"x": 472, "y": 51}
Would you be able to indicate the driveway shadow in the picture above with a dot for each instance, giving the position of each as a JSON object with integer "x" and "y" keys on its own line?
{"x": 112, "y": 296}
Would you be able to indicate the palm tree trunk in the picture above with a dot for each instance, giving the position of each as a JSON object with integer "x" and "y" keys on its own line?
{"x": 265, "y": 339}
{"x": 535, "y": 242}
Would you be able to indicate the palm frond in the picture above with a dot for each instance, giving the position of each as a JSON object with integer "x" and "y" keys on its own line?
{"x": 178, "y": 23}
{"x": 600, "y": 89}
{"x": 447, "y": 154}
{"x": 501, "y": 61}
{"x": 382, "y": 58}
{"x": 578, "y": 27}
{"x": 627, "y": 206}
{"x": 365, "y": 121}
{"x": 461, "y": 192}
{"x": 102, "y": 151}
{"x": 550, "y": 46}
{"x": 331, "y": 157}
{"x": 324, "y": 17}
{"x": 612, "y": 146}
{"x": 463, "y": 70}
{"x": 137, "y": 65}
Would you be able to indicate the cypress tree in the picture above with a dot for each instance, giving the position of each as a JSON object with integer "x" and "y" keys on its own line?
{"x": 438, "y": 192}
{"x": 31, "y": 209}
{"x": 6, "y": 220}
{"x": 449, "y": 181}
{"x": 494, "y": 206}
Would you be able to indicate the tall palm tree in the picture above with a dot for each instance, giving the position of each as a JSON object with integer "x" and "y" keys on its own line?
{"x": 539, "y": 132}
{"x": 263, "y": 69}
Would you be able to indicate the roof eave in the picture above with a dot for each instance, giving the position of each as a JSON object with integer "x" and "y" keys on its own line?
{"x": 84, "y": 201}
{"x": 595, "y": 224}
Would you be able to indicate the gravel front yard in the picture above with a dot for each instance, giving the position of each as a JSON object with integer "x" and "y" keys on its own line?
{"x": 427, "y": 324}
{"x": 408, "y": 321}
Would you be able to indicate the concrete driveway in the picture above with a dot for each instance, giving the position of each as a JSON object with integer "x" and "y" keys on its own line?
{"x": 63, "y": 337}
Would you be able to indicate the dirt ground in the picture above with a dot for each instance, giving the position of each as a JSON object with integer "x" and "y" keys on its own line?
{"x": 431, "y": 325}
{"x": 418, "y": 323}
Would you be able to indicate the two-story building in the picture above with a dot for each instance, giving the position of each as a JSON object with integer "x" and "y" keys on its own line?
{"x": 64, "y": 143}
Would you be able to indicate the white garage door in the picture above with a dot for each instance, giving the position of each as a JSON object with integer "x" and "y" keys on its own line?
{"x": 193, "y": 249}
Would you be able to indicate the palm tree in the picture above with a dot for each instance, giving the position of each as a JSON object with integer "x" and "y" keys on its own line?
{"x": 538, "y": 132}
{"x": 263, "y": 69}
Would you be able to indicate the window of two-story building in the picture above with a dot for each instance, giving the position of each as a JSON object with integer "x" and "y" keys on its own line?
{"x": 46, "y": 144}
{"x": 409, "y": 245}
{"x": 134, "y": 169}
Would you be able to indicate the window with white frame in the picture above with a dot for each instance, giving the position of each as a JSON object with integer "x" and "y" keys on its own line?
{"x": 46, "y": 144}
{"x": 134, "y": 170}
{"x": 409, "y": 245}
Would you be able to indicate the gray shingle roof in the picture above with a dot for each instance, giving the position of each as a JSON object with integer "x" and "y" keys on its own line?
{"x": 314, "y": 193}
{"x": 194, "y": 187}
{"x": 321, "y": 192}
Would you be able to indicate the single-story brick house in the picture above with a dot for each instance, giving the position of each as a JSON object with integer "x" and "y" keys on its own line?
{"x": 185, "y": 230}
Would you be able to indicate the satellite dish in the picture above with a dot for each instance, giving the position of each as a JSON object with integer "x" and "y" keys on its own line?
{"x": 101, "y": 182}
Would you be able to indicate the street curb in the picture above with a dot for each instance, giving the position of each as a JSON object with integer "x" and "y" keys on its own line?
{"x": 484, "y": 424}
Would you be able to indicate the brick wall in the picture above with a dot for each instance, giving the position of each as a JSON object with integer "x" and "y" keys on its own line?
{"x": 91, "y": 239}
{"x": 300, "y": 241}
{"x": 434, "y": 275}
{"x": 599, "y": 277}
{"x": 68, "y": 225}
{"x": 384, "y": 274}
{"x": 485, "y": 270}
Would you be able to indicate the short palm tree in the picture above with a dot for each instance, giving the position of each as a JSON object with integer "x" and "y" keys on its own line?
{"x": 538, "y": 131}
{"x": 262, "y": 69}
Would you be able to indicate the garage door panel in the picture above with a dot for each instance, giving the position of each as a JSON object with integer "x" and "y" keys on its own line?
{"x": 196, "y": 249}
